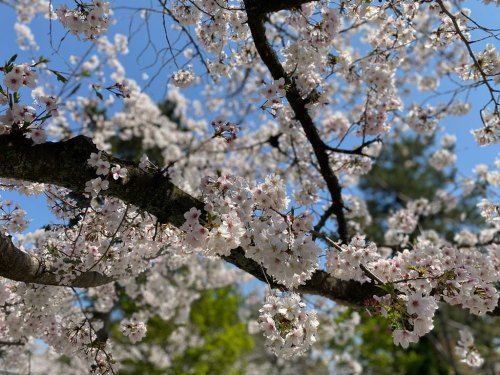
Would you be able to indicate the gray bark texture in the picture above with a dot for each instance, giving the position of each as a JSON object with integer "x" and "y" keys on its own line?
{"x": 65, "y": 164}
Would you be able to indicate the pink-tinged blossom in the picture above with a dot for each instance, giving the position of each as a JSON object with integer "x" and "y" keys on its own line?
{"x": 144, "y": 163}
{"x": 38, "y": 135}
{"x": 442, "y": 159}
{"x": 466, "y": 351}
{"x": 134, "y": 330}
{"x": 102, "y": 167}
{"x": 50, "y": 104}
{"x": 423, "y": 307}
{"x": 94, "y": 187}
{"x": 94, "y": 159}
{"x": 422, "y": 325}
{"x": 20, "y": 75}
{"x": 119, "y": 172}
{"x": 344, "y": 262}
{"x": 404, "y": 337}
{"x": 274, "y": 90}
{"x": 289, "y": 329}
{"x": 184, "y": 78}
{"x": 192, "y": 216}
{"x": 89, "y": 19}
{"x": 13, "y": 81}
{"x": 490, "y": 132}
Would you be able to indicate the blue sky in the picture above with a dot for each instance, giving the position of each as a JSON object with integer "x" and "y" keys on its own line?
{"x": 469, "y": 154}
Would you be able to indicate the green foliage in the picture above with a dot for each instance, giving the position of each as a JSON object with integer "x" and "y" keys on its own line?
{"x": 433, "y": 353}
{"x": 380, "y": 356}
{"x": 402, "y": 173}
{"x": 225, "y": 337}
{"x": 214, "y": 317}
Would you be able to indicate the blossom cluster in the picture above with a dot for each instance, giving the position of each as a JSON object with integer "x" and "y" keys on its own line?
{"x": 488, "y": 63}
{"x": 103, "y": 167}
{"x": 375, "y": 121}
{"x": 224, "y": 129}
{"x": 53, "y": 313}
{"x": 351, "y": 165}
{"x": 133, "y": 329}
{"x": 401, "y": 224}
{"x": 429, "y": 273}
{"x": 442, "y": 159}
{"x": 338, "y": 324}
{"x": 411, "y": 315}
{"x": 490, "y": 133}
{"x": 239, "y": 215}
{"x": 345, "y": 261}
{"x": 274, "y": 93}
{"x": 19, "y": 116}
{"x": 289, "y": 329}
{"x": 433, "y": 270}
{"x": 490, "y": 211}
{"x": 18, "y": 76}
{"x": 466, "y": 351}
{"x": 12, "y": 216}
{"x": 89, "y": 19}
{"x": 423, "y": 120}
{"x": 184, "y": 78}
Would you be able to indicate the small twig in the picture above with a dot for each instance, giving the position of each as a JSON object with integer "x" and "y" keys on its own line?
{"x": 370, "y": 274}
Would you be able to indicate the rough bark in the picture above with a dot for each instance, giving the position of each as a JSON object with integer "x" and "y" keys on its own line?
{"x": 264, "y": 7}
{"x": 19, "y": 265}
{"x": 65, "y": 164}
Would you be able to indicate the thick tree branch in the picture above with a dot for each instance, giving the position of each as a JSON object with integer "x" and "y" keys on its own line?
{"x": 271, "y": 60}
{"x": 18, "y": 265}
{"x": 65, "y": 164}
{"x": 269, "y": 6}
{"x": 12, "y": 343}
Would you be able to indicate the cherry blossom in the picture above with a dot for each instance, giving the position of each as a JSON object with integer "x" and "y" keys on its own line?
{"x": 465, "y": 349}
{"x": 290, "y": 104}
{"x": 288, "y": 328}
{"x": 404, "y": 338}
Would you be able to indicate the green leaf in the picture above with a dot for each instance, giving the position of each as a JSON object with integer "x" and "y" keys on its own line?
{"x": 41, "y": 60}
{"x": 389, "y": 288}
{"x": 42, "y": 119}
{"x": 97, "y": 92}
{"x": 59, "y": 76}
{"x": 12, "y": 59}
{"x": 75, "y": 89}
{"x": 72, "y": 261}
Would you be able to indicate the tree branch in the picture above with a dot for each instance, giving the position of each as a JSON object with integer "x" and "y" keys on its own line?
{"x": 262, "y": 7}
{"x": 18, "y": 265}
{"x": 65, "y": 164}
{"x": 477, "y": 64}
{"x": 271, "y": 60}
